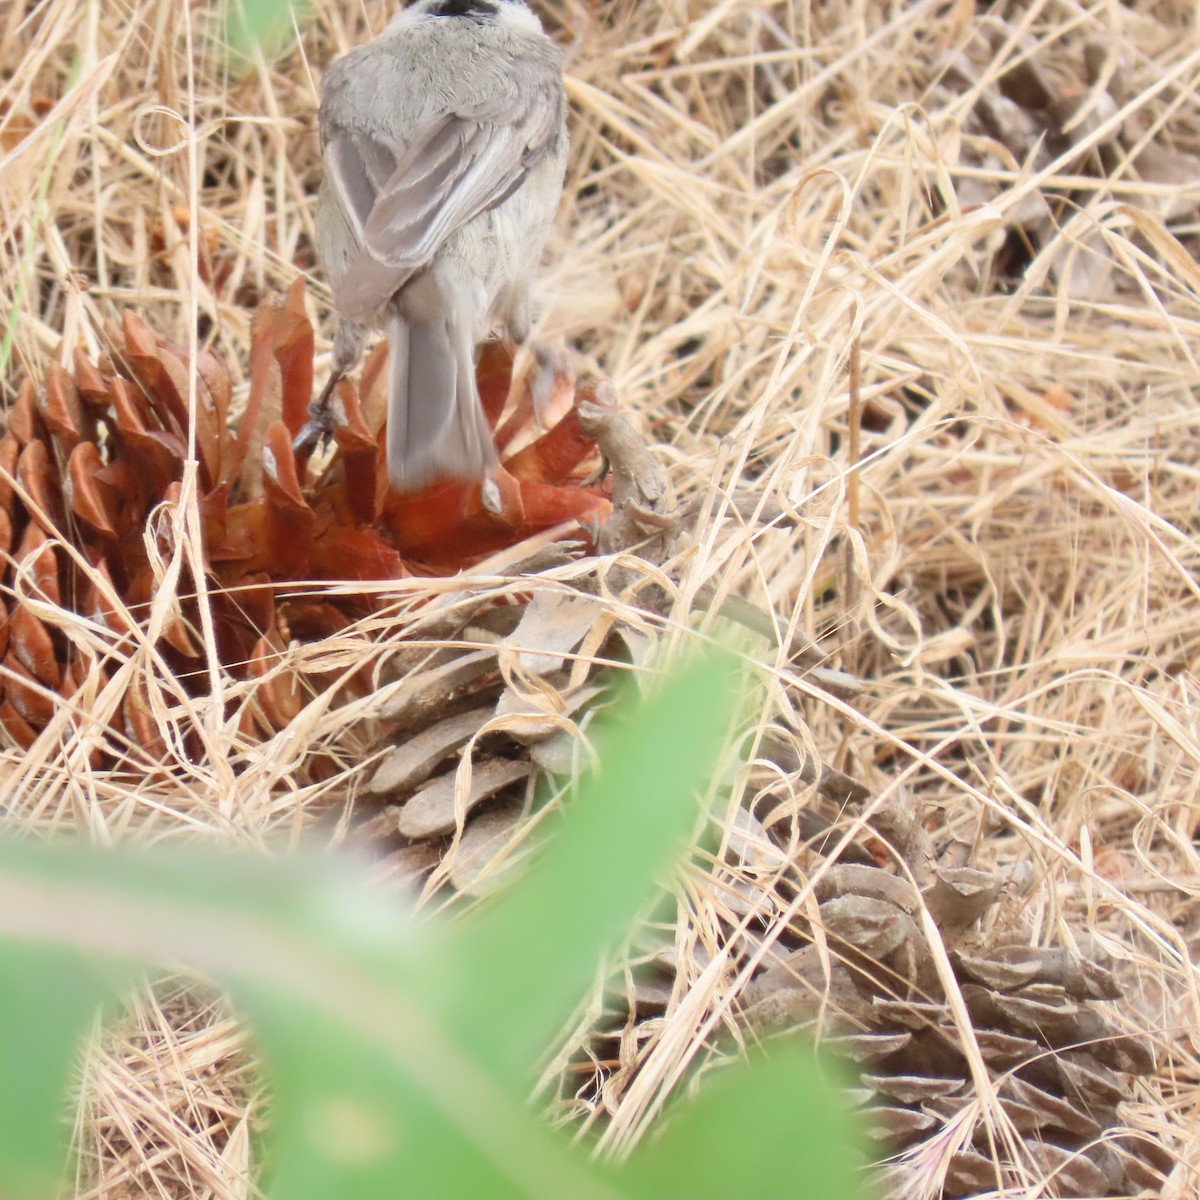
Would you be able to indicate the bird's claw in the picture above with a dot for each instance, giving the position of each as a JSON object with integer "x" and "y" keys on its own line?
{"x": 599, "y": 474}
{"x": 316, "y": 431}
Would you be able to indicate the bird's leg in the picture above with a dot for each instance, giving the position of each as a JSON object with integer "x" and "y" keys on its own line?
{"x": 553, "y": 368}
{"x": 347, "y": 350}
{"x": 553, "y": 371}
{"x": 319, "y": 425}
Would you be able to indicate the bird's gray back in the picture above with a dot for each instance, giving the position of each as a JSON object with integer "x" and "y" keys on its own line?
{"x": 403, "y": 77}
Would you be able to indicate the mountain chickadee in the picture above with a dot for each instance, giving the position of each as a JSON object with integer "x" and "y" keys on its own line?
{"x": 444, "y": 143}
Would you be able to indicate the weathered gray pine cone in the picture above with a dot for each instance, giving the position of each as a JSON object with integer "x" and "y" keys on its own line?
{"x": 1055, "y": 107}
{"x": 1025, "y": 1081}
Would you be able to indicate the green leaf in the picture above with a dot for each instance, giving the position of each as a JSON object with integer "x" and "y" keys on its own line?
{"x": 48, "y": 998}
{"x": 529, "y": 958}
{"x": 398, "y": 1048}
{"x": 772, "y": 1129}
{"x": 350, "y": 1120}
{"x": 254, "y": 26}
{"x": 374, "y": 1097}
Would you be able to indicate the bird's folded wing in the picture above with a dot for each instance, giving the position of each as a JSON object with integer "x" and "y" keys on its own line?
{"x": 404, "y": 201}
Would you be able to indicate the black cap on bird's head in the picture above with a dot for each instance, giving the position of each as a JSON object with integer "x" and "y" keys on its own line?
{"x": 459, "y": 8}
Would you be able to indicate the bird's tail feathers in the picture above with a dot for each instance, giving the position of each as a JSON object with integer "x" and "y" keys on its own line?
{"x": 436, "y": 426}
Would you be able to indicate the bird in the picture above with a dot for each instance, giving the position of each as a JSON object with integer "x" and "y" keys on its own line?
{"x": 444, "y": 146}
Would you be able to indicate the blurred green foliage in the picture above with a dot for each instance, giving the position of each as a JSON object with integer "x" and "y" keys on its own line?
{"x": 400, "y": 1049}
{"x": 263, "y": 25}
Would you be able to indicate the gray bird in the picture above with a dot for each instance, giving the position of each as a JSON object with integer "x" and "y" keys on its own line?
{"x": 444, "y": 143}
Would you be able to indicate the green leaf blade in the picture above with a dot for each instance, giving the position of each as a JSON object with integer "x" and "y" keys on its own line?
{"x": 532, "y": 954}
{"x": 49, "y": 996}
{"x": 771, "y": 1129}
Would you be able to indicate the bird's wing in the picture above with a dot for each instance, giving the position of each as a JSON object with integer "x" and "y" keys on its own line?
{"x": 404, "y": 200}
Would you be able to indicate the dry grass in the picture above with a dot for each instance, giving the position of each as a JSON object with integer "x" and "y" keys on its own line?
{"x": 1010, "y": 564}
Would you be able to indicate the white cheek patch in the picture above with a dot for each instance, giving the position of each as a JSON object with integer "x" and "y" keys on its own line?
{"x": 518, "y": 18}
